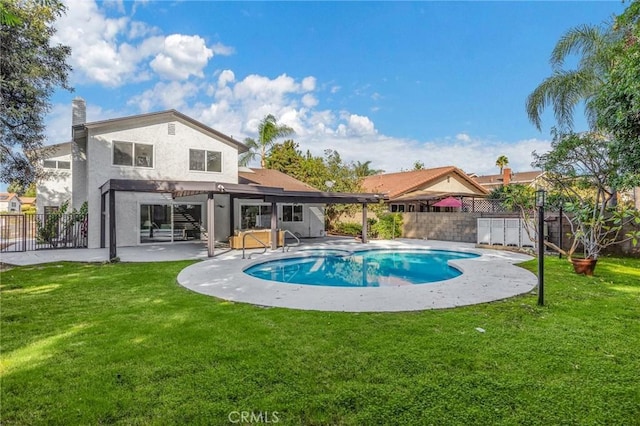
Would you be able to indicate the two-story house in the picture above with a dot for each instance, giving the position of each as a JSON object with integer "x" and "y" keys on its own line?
{"x": 153, "y": 178}
{"x": 9, "y": 202}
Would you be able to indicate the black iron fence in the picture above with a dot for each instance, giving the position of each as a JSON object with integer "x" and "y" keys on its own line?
{"x": 26, "y": 232}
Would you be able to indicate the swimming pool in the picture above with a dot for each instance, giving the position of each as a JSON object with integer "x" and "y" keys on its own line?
{"x": 366, "y": 268}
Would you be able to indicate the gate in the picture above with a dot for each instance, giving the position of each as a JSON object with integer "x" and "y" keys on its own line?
{"x": 27, "y": 232}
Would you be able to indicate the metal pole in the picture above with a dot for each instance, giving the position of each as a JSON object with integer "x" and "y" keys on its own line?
{"x": 541, "y": 255}
{"x": 561, "y": 232}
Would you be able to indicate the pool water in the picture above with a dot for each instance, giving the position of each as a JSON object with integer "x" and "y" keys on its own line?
{"x": 370, "y": 268}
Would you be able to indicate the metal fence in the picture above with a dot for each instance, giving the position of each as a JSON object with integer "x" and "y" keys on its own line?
{"x": 26, "y": 232}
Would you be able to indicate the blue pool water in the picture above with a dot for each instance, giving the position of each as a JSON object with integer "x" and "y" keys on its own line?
{"x": 370, "y": 268}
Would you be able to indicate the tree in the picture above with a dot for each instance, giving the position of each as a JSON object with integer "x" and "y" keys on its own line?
{"x": 16, "y": 187}
{"x": 30, "y": 70}
{"x": 618, "y": 100}
{"x": 364, "y": 169}
{"x": 565, "y": 89}
{"x": 502, "y": 162}
{"x": 580, "y": 168}
{"x": 268, "y": 132}
{"x": 418, "y": 165}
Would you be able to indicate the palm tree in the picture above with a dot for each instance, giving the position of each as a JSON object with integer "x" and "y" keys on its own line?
{"x": 364, "y": 169}
{"x": 268, "y": 131}
{"x": 565, "y": 89}
{"x": 502, "y": 162}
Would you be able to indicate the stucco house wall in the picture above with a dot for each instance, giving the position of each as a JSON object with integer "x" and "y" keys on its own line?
{"x": 170, "y": 161}
{"x": 57, "y": 188}
{"x": 312, "y": 224}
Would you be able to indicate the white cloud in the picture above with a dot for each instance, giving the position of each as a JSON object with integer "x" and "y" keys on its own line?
{"x": 172, "y": 95}
{"x": 226, "y": 77}
{"x": 463, "y": 137}
{"x": 103, "y": 50}
{"x": 236, "y": 107}
{"x": 222, "y": 50}
{"x": 181, "y": 57}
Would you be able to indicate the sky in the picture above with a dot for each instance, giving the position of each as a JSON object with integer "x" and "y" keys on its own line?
{"x": 393, "y": 83}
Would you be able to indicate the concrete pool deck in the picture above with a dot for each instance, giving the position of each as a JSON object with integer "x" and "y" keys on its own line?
{"x": 492, "y": 276}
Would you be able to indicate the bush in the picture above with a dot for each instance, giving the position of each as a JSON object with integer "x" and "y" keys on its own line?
{"x": 389, "y": 226}
{"x": 348, "y": 228}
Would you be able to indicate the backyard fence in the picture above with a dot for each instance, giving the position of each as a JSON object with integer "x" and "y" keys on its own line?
{"x": 27, "y": 232}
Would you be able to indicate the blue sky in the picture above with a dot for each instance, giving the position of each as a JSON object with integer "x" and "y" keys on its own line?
{"x": 392, "y": 82}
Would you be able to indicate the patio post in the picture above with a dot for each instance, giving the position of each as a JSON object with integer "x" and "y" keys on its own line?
{"x": 274, "y": 225}
{"x": 364, "y": 223}
{"x": 113, "y": 251}
{"x": 211, "y": 228}
{"x": 102, "y": 220}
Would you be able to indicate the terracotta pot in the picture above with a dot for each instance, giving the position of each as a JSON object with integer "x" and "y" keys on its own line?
{"x": 584, "y": 266}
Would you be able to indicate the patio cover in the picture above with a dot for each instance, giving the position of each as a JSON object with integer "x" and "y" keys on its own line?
{"x": 449, "y": 202}
{"x": 185, "y": 188}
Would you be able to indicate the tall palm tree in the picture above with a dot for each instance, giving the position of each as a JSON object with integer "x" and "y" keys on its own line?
{"x": 364, "y": 169}
{"x": 268, "y": 132}
{"x": 565, "y": 89}
{"x": 502, "y": 162}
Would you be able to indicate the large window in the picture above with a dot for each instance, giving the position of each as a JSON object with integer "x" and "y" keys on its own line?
{"x": 292, "y": 213}
{"x": 255, "y": 216}
{"x": 132, "y": 154}
{"x": 205, "y": 161}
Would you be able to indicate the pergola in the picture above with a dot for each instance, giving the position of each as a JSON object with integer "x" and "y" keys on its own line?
{"x": 268, "y": 194}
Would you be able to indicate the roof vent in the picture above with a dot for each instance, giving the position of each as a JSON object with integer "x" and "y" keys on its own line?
{"x": 171, "y": 129}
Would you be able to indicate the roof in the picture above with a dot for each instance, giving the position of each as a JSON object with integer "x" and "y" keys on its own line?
{"x": 78, "y": 129}
{"x": 523, "y": 178}
{"x": 27, "y": 200}
{"x": 7, "y": 196}
{"x": 266, "y": 193}
{"x": 397, "y": 184}
{"x": 272, "y": 178}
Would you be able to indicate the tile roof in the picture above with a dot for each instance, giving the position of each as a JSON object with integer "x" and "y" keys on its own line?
{"x": 6, "y": 196}
{"x": 27, "y": 200}
{"x": 396, "y": 184}
{"x": 516, "y": 177}
{"x": 273, "y": 178}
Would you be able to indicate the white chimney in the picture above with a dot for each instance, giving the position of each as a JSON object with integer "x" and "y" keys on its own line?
{"x": 79, "y": 111}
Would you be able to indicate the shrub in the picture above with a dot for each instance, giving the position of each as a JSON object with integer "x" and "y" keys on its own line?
{"x": 389, "y": 225}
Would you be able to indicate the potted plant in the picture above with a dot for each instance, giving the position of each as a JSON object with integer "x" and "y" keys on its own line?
{"x": 582, "y": 170}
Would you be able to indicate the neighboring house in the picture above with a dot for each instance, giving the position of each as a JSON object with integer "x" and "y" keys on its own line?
{"x": 418, "y": 190}
{"x": 531, "y": 178}
{"x": 27, "y": 202}
{"x": 9, "y": 202}
{"x": 164, "y": 176}
{"x": 306, "y": 220}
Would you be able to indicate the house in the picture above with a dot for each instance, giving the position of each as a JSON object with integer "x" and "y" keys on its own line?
{"x": 165, "y": 177}
{"x": 419, "y": 190}
{"x": 305, "y": 220}
{"x": 9, "y": 202}
{"x": 27, "y": 202}
{"x": 530, "y": 178}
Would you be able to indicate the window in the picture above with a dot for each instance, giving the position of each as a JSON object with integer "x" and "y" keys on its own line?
{"x": 397, "y": 208}
{"x": 124, "y": 154}
{"x": 205, "y": 161}
{"x": 53, "y": 164}
{"x": 255, "y": 216}
{"x": 292, "y": 213}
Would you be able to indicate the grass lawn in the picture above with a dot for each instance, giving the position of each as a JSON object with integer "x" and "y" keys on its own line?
{"x": 123, "y": 343}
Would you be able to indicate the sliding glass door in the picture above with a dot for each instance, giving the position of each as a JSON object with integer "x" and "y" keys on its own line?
{"x": 170, "y": 222}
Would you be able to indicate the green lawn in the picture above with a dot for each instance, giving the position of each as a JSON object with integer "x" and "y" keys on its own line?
{"x": 123, "y": 343}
